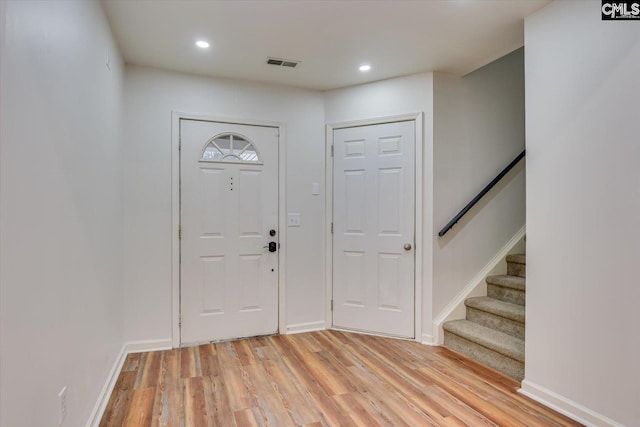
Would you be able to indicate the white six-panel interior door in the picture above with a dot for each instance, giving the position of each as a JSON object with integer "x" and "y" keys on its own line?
{"x": 228, "y": 219}
{"x": 374, "y": 227}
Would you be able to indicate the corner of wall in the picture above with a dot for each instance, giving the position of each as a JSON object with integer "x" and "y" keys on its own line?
{"x": 105, "y": 394}
{"x": 103, "y": 398}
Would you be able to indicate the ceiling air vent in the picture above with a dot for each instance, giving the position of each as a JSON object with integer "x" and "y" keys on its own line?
{"x": 283, "y": 62}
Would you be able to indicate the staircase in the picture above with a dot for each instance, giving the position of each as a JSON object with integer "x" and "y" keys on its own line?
{"x": 493, "y": 332}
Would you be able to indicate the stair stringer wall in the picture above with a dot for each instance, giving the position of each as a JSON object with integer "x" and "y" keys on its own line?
{"x": 477, "y": 286}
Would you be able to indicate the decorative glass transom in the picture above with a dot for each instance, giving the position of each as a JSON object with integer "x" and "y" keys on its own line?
{"x": 230, "y": 147}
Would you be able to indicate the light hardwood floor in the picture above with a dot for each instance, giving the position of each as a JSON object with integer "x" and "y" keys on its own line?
{"x": 325, "y": 378}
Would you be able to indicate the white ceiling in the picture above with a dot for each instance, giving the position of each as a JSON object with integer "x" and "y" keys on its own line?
{"x": 331, "y": 38}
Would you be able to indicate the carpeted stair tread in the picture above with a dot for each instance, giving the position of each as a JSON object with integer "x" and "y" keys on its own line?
{"x": 499, "y": 342}
{"x": 516, "y": 265}
{"x": 493, "y": 332}
{"x": 488, "y": 357}
{"x": 499, "y": 308}
{"x": 517, "y": 258}
{"x": 512, "y": 282}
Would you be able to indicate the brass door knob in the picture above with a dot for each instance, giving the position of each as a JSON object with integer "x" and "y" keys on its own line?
{"x": 407, "y": 246}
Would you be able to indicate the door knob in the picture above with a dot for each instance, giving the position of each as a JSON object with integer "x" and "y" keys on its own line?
{"x": 407, "y": 246}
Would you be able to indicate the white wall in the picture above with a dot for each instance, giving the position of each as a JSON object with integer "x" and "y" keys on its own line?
{"x": 60, "y": 210}
{"x": 478, "y": 130}
{"x": 411, "y": 94}
{"x": 150, "y": 97}
{"x": 583, "y": 201}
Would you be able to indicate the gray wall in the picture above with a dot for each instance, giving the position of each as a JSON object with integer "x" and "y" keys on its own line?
{"x": 478, "y": 130}
{"x": 583, "y": 201}
{"x": 61, "y": 300}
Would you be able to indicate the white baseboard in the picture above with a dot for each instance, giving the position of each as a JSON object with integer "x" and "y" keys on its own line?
{"x": 428, "y": 340}
{"x": 299, "y": 328}
{"x": 566, "y": 406}
{"x": 148, "y": 345}
{"x": 373, "y": 334}
{"x": 457, "y": 304}
{"x": 107, "y": 389}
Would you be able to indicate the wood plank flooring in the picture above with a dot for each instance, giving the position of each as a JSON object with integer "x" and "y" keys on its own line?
{"x": 326, "y": 378}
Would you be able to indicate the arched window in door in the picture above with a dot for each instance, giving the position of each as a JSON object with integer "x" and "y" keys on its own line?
{"x": 230, "y": 148}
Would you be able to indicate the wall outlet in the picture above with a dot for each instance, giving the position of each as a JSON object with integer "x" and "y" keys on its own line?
{"x": 62, "y": 398}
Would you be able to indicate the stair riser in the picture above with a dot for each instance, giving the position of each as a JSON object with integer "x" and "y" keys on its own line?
{"x": 508, "y": 326}
{"x": 514, "y": 269}
{"x": 513, "y": 296}
{"x": 497, "y": 361}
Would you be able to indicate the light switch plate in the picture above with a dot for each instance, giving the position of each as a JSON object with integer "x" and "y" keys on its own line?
{"x": 315, "y": 189}
{"x": 293, "y": 220}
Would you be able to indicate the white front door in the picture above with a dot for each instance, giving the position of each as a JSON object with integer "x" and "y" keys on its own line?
{"x": 228, "y": 220}
{"x": 373, "y": 215}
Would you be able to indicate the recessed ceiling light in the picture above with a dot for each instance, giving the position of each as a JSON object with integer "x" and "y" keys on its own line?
{"x": 365, "y": 67}
{"x": 202, "y": 44}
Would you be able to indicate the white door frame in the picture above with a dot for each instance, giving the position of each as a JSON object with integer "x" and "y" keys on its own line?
{"x": 417, "y": 119}
{"x": 176, "y": 116}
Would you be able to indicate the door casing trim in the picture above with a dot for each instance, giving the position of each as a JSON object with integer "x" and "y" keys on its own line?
{"x": 418, "y": 121}
{"x": 176, "y": 116}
